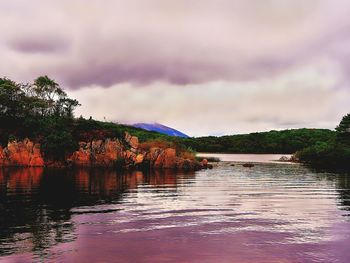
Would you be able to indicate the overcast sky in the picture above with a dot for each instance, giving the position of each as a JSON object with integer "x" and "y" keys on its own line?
{"x": 205, "y": 67}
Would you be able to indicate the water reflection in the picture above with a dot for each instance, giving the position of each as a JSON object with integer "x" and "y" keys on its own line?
{"x": 343, "y": 188}
{"x": 268, "y": 213}
{"x": 36, "y": 205}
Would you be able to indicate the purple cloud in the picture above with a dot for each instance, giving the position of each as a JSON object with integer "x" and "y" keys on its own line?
{"x": 39, "y": 44}
{"x": 130, "y": 42}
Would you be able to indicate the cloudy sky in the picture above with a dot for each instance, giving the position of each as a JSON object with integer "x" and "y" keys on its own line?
{"x": 208, "y": 67}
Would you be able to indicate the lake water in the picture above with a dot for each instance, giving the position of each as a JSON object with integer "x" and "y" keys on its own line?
{"x": 256, "y": 158}
{"x": 272, "y": 212}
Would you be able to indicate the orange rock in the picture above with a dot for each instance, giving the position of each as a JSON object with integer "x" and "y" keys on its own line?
{"x": 166, "y": 159}
{"x": 98, "y": 153}
{"x": 22, "y": 153}
{"x": 81, "y": 158}
{"x": 133, "y": 141}
{"x": 139, "y": 158}
{"x": 2, "y": 156}
{"x": 104, "y": 153}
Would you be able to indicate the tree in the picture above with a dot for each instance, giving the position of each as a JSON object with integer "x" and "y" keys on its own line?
{"x": 11, "y": 99}
{"x": 343, "y": 131}
{"x": 66, "y": 107}
{"x": 49, "y": 91}
{"x": 344, "y": 125}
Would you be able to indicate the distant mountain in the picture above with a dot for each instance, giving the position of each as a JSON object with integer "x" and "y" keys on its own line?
{"x": 160, "y": 128}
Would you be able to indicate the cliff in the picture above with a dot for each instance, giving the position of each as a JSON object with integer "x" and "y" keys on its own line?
{"x": 124, "y": 153}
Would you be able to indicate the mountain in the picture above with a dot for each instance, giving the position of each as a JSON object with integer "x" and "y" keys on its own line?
{"x": 160, "y": 128}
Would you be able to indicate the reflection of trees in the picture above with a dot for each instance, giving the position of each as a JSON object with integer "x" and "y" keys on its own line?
{"x": 36, "y": 204}
{"x": 25, "y": 217}
{"x": 343, "y": 185}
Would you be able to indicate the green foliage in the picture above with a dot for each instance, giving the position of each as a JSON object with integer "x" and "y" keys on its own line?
{"x": 344, "y": 125}
{"x": 58, "y": 144}
{"x": 343, "y": 131}
{"x": 333, "y": 154}
{"x": 287, "y": 141}
{"x": 44, "y": 97}
{"x": 40, "y": 111}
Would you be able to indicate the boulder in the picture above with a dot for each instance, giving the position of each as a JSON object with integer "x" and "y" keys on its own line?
{"x": 166, "y": 159}
{"x": 97, "y": 153}
{"x": 21, "y": 153}
{"x": 133, "y": 141}
{"x": 81, "y": 158}
{"x": 139, "y": 158}
{"x": 284, "y": 159}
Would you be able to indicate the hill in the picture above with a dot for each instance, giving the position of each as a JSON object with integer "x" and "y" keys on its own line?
{"x": 160, "y": 129}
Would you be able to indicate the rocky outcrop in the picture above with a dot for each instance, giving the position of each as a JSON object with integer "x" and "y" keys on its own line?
{"x": 23, "y": 153}
{"x": 97, "y": 153}
{"x": 101, "y": 153}
{"x": 127, "y": 154}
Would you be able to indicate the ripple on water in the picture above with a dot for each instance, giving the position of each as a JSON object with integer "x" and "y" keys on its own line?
{"x": 268, "y": 213}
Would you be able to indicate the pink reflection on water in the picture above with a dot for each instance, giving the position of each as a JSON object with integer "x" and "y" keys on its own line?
{"x": 270, "y": 213}
{"x": 99, "y": 243}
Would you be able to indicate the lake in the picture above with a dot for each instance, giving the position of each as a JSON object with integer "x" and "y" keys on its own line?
{"x": 256, "y": 158}
{"x": 272, "y": 212}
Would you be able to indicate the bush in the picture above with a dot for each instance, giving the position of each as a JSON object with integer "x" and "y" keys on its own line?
{"x": 58, "y": 144}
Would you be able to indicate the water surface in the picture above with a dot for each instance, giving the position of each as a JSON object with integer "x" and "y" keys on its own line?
{"x": 256, "y": 158}
{"x": 268, "y": 213}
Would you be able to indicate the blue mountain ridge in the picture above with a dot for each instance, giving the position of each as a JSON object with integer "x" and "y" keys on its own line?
{"x": 160, "y": 128}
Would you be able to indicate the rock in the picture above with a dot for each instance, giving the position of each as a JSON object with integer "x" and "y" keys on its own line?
{"x": 284, "y": 159}
{"x": 101, "y": 153}
{"x": 98, "y": 153}
{"x": 248, "y": 165}
{"x": 139, "y": 158}
{"x": 133, "y": 141}
{"x": 210, "y": 166}
{"x": 36, "y": 158}
{"x": 294, "y": 159}
{"x": 184, "y": 164}
{"x": 22, "y": 153}
{"x": 153, "y": 154}
{"x": 166, "y": 159}
{"x": 81, "y": 158}
{"x": 2, "y": 156}
{"x": 232, "y": 164}
{"x": 204, "y": 162}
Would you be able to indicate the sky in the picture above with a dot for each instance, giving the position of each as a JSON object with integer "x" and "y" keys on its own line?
{"x": 208, "y": 67}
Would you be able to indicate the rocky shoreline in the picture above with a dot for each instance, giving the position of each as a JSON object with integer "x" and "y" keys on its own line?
{"x": 115, "y": 153}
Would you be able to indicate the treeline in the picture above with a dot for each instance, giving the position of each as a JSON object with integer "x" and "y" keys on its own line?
{"x": 286, "y": 141}
{"x": 333, "y": 154}
{"x": 43, "y": 112}
{"x": 42, "y": 98}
